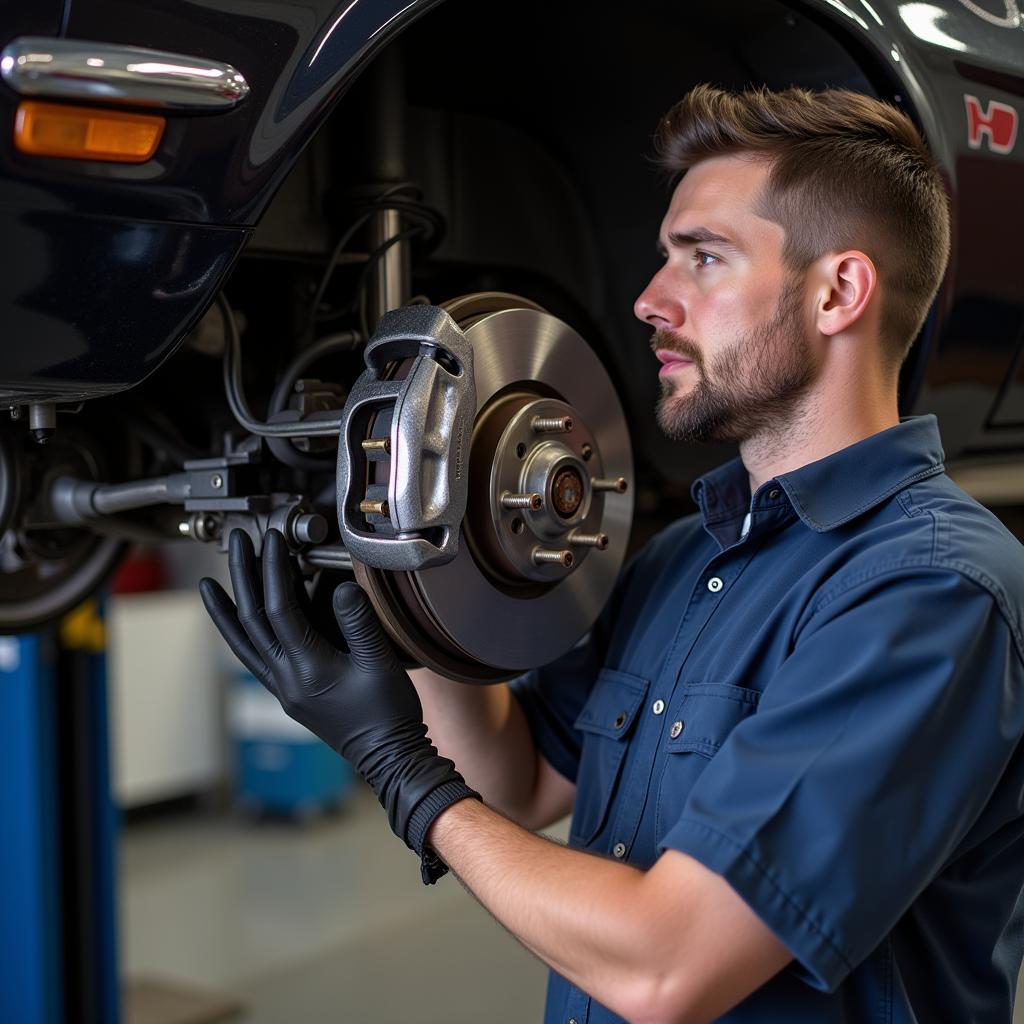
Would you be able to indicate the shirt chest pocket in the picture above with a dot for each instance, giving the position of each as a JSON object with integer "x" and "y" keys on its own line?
{"x": 701, "y": 723}
{"x": 606, "y": 723}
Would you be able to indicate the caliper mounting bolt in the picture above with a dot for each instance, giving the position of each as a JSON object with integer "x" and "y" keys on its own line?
{"x": 379, "y": 508}
{"x": 378, "y": 444}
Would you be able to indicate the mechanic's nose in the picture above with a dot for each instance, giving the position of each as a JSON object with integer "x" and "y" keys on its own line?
{"x": 656, "y": 306}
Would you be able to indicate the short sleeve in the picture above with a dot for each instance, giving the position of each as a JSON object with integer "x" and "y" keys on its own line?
{"x": 873, "y": 751}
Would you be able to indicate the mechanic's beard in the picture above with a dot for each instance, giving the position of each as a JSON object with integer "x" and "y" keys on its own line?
{"x": 754, "y": 385}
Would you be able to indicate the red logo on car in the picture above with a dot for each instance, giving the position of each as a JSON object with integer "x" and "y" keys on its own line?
{"x": 998, "y": 121}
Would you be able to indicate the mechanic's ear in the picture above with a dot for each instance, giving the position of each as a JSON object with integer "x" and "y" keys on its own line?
{"x": 847, "y": 285}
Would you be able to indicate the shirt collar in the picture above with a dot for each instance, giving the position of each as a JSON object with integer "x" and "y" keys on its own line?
{"x": 835, "y": 489}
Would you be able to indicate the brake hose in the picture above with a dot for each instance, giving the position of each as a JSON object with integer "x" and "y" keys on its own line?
{"x": 284, "y": 450}
{"x": 236, "y": 397}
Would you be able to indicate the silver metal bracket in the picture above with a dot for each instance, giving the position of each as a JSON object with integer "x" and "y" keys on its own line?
{"x": 412, "y": 522}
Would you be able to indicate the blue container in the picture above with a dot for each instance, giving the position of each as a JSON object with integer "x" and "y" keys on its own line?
{"x": 279, "y": 764}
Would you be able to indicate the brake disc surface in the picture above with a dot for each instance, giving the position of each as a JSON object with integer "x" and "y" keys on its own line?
{"x": 549, "y": 511}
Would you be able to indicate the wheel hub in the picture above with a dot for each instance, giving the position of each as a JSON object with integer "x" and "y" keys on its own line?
{"x": 539, "y": 495}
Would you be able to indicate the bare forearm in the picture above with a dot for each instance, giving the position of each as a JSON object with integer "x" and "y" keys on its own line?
{"x": 585, "y": 916}
{"x": 671, "y": 945}
{"x": 483, "y": 730}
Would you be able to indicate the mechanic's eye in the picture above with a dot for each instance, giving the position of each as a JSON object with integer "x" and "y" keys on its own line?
{"x": 699, "y": 256}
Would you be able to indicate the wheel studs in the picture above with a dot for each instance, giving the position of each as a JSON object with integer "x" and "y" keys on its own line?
{"x": 617, "y": 484}
{"x": 543, "y": 556}
{"x": 533, "y": 501}
{"x": 551, "y": 424}
{"x": 589, "y": 540}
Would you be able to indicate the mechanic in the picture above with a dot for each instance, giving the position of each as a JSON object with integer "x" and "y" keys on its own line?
{"x": 791, "y": 741}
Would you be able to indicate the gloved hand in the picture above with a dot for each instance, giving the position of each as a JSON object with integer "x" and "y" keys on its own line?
{"x": 362, "y": 703}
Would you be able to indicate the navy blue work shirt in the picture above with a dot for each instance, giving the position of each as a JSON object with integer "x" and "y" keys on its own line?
{"x": 826, "y": 711}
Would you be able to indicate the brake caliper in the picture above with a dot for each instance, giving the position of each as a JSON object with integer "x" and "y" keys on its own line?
{"x": 403, "y": 453}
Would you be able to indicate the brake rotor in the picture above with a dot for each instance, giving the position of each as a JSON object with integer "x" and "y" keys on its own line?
{"x": 549, "y": 509}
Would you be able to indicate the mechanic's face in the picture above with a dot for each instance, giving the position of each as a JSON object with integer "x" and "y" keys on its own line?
{"x": 731, "y": 329}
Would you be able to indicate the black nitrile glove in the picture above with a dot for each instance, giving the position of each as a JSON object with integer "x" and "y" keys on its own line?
{"x": 361, "y": 703}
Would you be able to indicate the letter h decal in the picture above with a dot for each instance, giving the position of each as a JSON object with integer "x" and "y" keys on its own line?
{"x": 998, "y": 121}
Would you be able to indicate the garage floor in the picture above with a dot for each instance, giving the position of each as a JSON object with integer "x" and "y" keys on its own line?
{"x": 314, "y": 923}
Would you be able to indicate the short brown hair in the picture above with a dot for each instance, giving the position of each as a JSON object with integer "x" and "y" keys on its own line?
{"x": 847, "y": 171}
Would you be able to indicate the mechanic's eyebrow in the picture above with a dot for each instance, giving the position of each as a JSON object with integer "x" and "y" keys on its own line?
{"x": 682, "y": 239}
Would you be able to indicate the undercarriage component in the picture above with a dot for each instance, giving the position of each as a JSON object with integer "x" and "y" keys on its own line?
{"x": 46, "y": 569}
{"x": 40, "y": 586}
{"x": 548, "y": 511}
{"x": 42, "y": 421}
{"x": 216, "y": 496}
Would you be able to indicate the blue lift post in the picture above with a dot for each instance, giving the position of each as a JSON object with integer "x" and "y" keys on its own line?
{"x": 30, "y": 869}
{"x": 57, "y": 877}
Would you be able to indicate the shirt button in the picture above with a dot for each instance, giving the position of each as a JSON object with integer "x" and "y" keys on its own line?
{"x": 620, "y": 719}
{"x": 677, "y": 728}
{"x": 619, "y": 849}
{"x": 773, "y": 494}
{"x": 572, "y": 1020}
{"x": 658, "y": 707}
{"x": 715, "y": 584}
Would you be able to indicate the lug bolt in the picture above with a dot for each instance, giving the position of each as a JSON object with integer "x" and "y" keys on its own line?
{"x": 379, "y": 508}
{"x": 551, "y": 424}
{"x": 542, "y": 556}
{"x": 589, "y": 540}
{"x": 617, "y": 484}
{"x": 378, "y": 444}
{"x": 534, "y": 501}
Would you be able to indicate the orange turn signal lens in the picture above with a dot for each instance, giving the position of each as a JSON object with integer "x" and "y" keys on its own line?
{"x": 86, "y": 133}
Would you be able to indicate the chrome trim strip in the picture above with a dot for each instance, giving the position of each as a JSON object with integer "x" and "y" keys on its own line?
{"x": 75, "y": 69}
